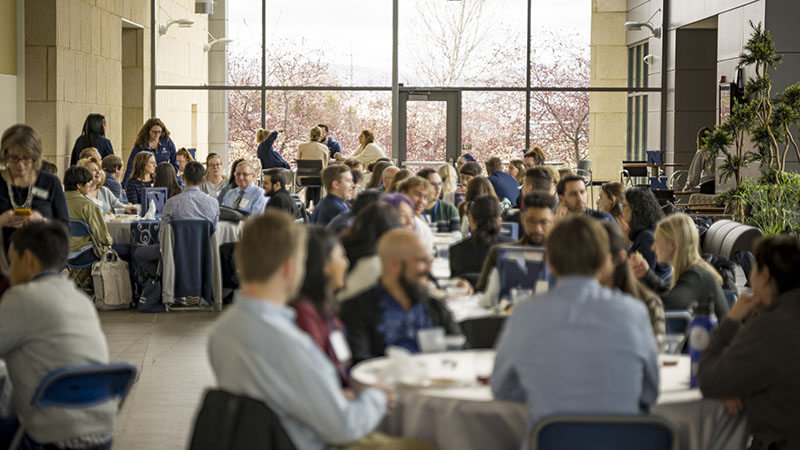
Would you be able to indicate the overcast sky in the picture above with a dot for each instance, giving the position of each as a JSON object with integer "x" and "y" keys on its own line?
{"x": 359, "y": 32}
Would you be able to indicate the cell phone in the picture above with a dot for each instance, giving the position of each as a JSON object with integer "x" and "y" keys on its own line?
{"x": 23, "y": 212}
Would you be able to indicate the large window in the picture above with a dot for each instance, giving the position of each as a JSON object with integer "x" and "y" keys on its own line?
{"x": 637, "y": 103}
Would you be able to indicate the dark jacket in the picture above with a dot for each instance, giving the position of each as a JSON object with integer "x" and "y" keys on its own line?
{"x": 643, "y": 243}
{"x": 445, "y": 216}
{"x": 283, "y": 200}
{"x": 505, "y": 186}
{"x": 135, "y": 191}
{"x": 268, "y": 156}
{"x": 329, "y": 207}
{"x": 467, "y": 256}
{"x": 333, "y": 147}
{"x": 102, "y": 144}
{"x": 362, "y": 314}
{"x": 48, "y": 200}
{"x": 758, "y": 363}
{"x": 696, "y": 285}
{"x": 165, "y": 152}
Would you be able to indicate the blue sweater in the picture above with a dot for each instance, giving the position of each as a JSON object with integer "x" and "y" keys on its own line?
{"x": 102, "y": 144}
{"x": 268, "y": 156}
{"x": 329, "y": 207}
{"x": 165, "y": 152}
{"x": 333, "y": 147}
{"x": 505, "y": 186}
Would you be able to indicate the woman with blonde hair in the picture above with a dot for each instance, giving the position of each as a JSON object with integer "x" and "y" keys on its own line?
{"x": 268, "y": 156}
{"x": 98, "y": 193}
{"x": 183, "y": 157}
{"x": 694, "y": 281}
{"x": 368, "y": 151}
{"x": 477, "y": 186}
{"x": 449, "y": 182}
{"x": 516, "y": 168}
{"x": 154, "y": 138}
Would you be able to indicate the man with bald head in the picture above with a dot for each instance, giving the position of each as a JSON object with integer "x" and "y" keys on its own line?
{"x": 394, "y": 310}
{"x": 387, "y": 175}
{"x": 246, "y": 196}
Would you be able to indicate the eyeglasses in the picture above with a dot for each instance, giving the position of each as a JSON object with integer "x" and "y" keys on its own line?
{"x": 243, "y": 175}
{"x": 15, "y": 159}
{"x": 156, "y": 131}
{"x": 211, "y": 166}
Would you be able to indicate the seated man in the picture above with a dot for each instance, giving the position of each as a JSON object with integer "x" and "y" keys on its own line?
{"x": 444, "y": 214}
{"x": 387, "y": 175}
{"x": 505, "y": 186}
{"x": 246, "y": 196}
{"x": 467, "y": 172}
{"x": 571, "y": 191}
{"x": 536, "y": 179}
{"x": 393, "y": 311}
{"x": 338, "y": 182}
{"x": 274, "y": 183}
{"x": 536, "y": 218}
{"x": 533, "y": 158}
{"x": 112, "y": 166}
{"x": 291, "y": 375}
{"x": 580, "y": 348}
{"x": 47, "y": 324}
{"x": 191, "y": 204}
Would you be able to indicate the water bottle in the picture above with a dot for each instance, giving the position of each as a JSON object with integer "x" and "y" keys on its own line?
{"x": 699, "y": 337}
{"x": 123, "y": 198}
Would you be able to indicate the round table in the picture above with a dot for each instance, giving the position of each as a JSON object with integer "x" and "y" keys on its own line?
{"x": 441, "y": 400}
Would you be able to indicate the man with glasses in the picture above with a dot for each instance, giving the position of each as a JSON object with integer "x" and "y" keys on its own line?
{"x": 443, "y": 214}
{"x": 246, "y": 196}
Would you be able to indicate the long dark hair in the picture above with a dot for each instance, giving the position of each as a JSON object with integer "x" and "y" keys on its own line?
{"x": 377, "y": 173}
{"x": 316, "y": 287}
{"x": 232, "y": 177}
{"x": 93, "y": 129}
{"x": 165, "y": 177}
{"x": 368, "y": 226}
{"x": 645, "y": 211}
{"x": 624, "y": 278}
{"x": 485, "y": 209}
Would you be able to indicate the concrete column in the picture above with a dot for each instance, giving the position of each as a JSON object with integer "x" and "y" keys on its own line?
{"x": 218, "y": 75}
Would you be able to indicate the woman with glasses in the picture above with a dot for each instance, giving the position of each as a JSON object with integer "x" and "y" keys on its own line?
{"x": 26, "y": 193}
{"x": 215, "y": 176}
{"x": 93, "y": 134}
{"x": 153, "y": 137}
{"x": 98, "y": 193}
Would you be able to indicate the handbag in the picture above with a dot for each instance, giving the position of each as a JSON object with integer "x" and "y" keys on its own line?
{"x": 112, "y": 282}
{"x": 229, "y": 214}
{"x": 150, "y": 299}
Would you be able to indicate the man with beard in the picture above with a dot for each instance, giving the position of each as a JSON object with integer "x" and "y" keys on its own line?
{"x": 393, "y": 311}
{"x": 536, "y": 219}
{"x": 572, "y": 198}
{"x": 274, "y": 185}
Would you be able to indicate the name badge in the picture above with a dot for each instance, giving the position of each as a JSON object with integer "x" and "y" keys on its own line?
{"x": 40, "y": 193}
{"x": 340, "y": 347}
{"x": 244, "y": 203}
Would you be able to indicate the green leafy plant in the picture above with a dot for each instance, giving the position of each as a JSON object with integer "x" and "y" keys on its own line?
{"x": 771, "y": 203}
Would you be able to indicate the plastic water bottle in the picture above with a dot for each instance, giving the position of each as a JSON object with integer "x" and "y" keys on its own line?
{"x": 123, "y": 198}
{"x": 699, "y": 337}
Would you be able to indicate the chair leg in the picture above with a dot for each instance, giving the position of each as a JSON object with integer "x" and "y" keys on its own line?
{"x": 17, "y": 438}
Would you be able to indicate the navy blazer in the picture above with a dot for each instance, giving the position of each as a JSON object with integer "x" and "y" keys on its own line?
{"x": 505, "y": 186}
{"x": 643, "y": 243}
{"x": 268, "y": 156}
{"x": 165, "y": 152}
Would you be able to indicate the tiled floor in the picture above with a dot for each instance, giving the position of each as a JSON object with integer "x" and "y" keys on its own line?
{"x": 170, "y": 351}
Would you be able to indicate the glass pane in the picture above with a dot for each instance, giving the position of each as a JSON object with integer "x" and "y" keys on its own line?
{"x": 426, "y": 133}
{"x": 560, "y": 125}
{"x": 244, "y": 53}
{"x": 186, "y": 116}
{"x": 493, "y": 124}
{"x": 244, "y": 118}
{"x": 462, "y": 43}
{"x": 342, "y": 43}
{"x": 561, "y": 33}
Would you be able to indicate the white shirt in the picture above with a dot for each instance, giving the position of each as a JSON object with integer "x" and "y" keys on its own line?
{"x": 368, "y": 153}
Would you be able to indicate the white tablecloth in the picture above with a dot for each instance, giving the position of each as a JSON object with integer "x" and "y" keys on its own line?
{"x": 120, "y": 231}
{"x": 464, "y": 415}
{"x": 229, "y": 231}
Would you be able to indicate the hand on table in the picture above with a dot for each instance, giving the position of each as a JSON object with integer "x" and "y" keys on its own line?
{"x": 733, "y": 405}
{"x": 463, "y": 284}
{"x": 743, "y": 306}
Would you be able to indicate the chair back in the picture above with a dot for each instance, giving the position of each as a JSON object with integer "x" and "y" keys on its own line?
{"x": 482, "y": 332}
{"x": 601, "y": 432}
{"x": 79, "y": 228}
{"x": 236, "y": 422}
{"x": 191, "y": 264}
{"x": 85, "y": 386}
{"x": 677, "y": 321}
{"x": 158, "y": 195}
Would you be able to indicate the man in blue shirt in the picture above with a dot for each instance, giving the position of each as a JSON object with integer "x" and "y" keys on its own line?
{"x": 338, "y": 182}
{"x": 571, "y": 191}
{"x": 333, "y": 147}
{"x": 246, "y": 196}
{"x": 580, "y": 348}
{"x": 505, "y": 186}
{"x": 257, "y": 350}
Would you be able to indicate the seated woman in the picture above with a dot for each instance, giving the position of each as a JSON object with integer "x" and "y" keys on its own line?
{"x": 516, "y": 168}
{"x": 398, "y": 179}
{"x": 182, "y": 157}
{"x": 215, "y": 176}
{"x": 144, "y": 170}
{"x": 166, "y": 178}
{"x": 449, "y": 182}
{"x": 755, "y": 365}
{"x": 622, "y": 278}
{"x": 641, "y": 212}
{"x": 467, "y": 256}
{"x": 612, "y": 201}
{"x": 98, "y": 193}
{"x": 694, "y": 281}
{"x": 477, "y": 186}
{"x": 77, "y": 184}
{"x": 326, "y": 267}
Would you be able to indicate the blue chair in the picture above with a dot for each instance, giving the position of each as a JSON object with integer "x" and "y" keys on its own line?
{"x": 78, "y": 387}
{"x": 731, "y": 297}
{"x": 158, "y": 195}
{"x": 82, "y": 258}
{"x": 600, "y": 432}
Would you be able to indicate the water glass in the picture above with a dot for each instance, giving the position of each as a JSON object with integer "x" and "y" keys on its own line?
{"x": 431, "y": 340}
{"x": 519, "y": 295}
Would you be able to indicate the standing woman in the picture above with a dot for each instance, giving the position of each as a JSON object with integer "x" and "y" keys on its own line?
{"x": 93, "y": 134}
{"x": 368, "y": 151}
{"x": 215, "y": 176}
{"x": 268, "y": 156}
{"x": 153, "y": 137}
{"x": 165, "y": 177}
{"x": 144, "y": 171}
{"x": 26, "y": 193}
